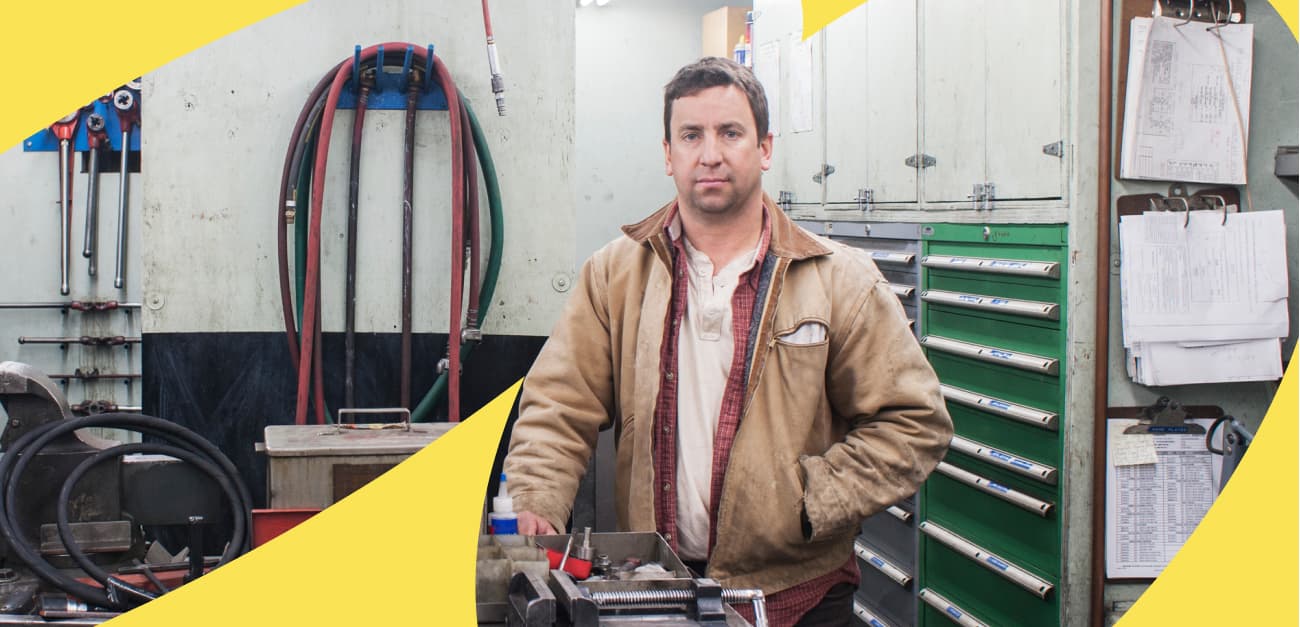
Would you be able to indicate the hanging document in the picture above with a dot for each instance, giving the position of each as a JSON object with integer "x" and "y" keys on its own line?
{"x": 1180, "y": 114}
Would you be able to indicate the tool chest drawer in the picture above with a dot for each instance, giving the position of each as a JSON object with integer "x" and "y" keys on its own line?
{"x": 894, "y": 539}
{"x": 1008, "y": 516}
{"x": 1033, "y": 389}
{"x": 1004, "y": 338}
{"x": 1012, "y": 436}
{"x": 867, "y": 613}
{"x": 980, "y": 591}
{"x": 895, "y": 248}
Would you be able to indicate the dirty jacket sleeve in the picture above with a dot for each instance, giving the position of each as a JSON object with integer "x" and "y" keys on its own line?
{"x": 880, "y": 382}
{"x": 568, "y": 396}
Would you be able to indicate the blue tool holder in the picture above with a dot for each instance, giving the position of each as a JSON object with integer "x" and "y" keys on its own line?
{"x": 389, "y": 90}
{"x": 45, "y": 141}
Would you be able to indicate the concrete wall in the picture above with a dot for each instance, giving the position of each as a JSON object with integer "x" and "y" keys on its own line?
{"x": 626, "y": 52}
{"x": 218, "y": 121}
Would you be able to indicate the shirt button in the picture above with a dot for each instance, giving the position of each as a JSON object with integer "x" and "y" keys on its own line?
{"x": 666, "y": 487}
{"x": 667, "y": 429}
{"x": 669, "y": 376}
{"x": 668, "y": 537}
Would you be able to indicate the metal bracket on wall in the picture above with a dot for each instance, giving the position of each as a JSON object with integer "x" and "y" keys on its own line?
{"x": 1285, "y": 162}
{"x": 1203, "y": 10}
{"x": 1054, "y": 149}
{"x": 919, "y": 160}
{"x": 389, "y": 91}
{"x": 827, "y": 170}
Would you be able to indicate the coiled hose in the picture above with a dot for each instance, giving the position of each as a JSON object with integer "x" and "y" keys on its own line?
{"x": 181, "y": 443}
{"x": 300, "y": 197}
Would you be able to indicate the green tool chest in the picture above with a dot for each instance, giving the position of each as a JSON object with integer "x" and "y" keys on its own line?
{"x": 993, "y": 324}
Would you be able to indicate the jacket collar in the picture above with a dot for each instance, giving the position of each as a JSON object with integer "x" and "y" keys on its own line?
{"x": 788, "y": 240}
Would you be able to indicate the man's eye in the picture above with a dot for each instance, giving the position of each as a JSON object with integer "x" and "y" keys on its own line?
{"x": 690, "y": 137}
{"x": 733, "y": 134}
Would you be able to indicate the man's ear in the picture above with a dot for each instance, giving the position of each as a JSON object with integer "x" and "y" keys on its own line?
{"x": 668, "y": 161}
{"x": 765, "y": 152}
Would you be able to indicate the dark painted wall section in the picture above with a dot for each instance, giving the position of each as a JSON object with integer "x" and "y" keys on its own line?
{"x": 229, "y": 386}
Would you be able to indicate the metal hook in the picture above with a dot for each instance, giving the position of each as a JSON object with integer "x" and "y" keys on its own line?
{"x": 1187, "y": 210}
{"x": 1227, "y": 18}
{"x": 1152, "y": 202}
{"x": 1191, "y": 8}
{"x": 1224, "y": 202}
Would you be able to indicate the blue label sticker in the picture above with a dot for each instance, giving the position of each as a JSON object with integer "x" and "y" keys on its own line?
{"x": 875, "y": 623}
{"x": 999, "y": 301}
{"x": 999, "y": 455}
{"x": 952, "y": 611}
{"x": 1001, "y": 354}
{"x": 999, "y": 487}
{"x": 999, "y": 404}
{"x": 968, "y": 298}
{"x": 1020, "y": 463}
{"x": 997, "y": 563}
{"x": 877, "y": 561}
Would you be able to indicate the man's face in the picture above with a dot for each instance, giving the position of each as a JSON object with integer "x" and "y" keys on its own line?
{"x": 714, "y": 153}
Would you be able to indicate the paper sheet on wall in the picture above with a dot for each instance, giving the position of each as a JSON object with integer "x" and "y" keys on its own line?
{"x": 801, "y": 84}
{"x": 767, "y": 68}
{"x": 1179, "y": 120}
{"x": 1151, "y": 509}
{"x": 1173, "y": 363}
{"x": 1206, "y": 281}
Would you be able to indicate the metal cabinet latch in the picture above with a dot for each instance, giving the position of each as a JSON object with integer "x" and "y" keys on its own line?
{"x": 1054, "y": 149}
{"x": 981, "y": 196}
{"x": 784, "y": 200}
{"x": 919, "y": 161}
{"x": 866, "y": 197}
{"x": 827, "y": 170}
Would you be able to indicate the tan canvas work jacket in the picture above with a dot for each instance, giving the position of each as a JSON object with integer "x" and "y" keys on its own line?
{"x": 841, "y": 426}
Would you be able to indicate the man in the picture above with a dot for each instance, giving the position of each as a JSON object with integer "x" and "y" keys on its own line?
{"x": 765, "y": 390}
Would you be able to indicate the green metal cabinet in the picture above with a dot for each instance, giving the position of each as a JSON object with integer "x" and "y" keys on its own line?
{"x": 993, "y": 314}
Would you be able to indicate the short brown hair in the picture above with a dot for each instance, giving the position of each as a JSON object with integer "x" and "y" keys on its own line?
{"x": 716, "y": 72}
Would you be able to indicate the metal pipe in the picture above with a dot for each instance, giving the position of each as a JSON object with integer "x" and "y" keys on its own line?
{"x": 95, "y": 137}
{"x": 77, "y": 305}
{"x": 350, "y": 296}
{"x": 1101, "y": 350}
{"x": 87, "y": 340}
{"x": 122, "y": 187}
{"x": 408, "y": 226}
{"x": 65, "y": 213}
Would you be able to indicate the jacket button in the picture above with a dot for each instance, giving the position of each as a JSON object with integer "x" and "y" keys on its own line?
{"x": 669, "y": 376}
{"x": 666, "y": 487}
{"x": 668, "y": 537}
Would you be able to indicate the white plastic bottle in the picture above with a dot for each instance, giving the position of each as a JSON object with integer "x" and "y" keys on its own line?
{"x": 503, "y": 520}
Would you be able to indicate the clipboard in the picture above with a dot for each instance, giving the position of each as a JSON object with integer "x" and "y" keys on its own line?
{"x": 1151, "y": 508}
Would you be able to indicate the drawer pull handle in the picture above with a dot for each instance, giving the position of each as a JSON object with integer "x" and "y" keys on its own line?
{"x": 900, "y": 513}
{"x": 1028, "y": 308}
{"x": 900, "y": 576}
{"x": 867, "y": 615}
{"x": 1033, "y": 470}
{"x": 886, "y": 256}
{"x": 1044, "y": 269}
{"x": 999, "y": 407}
{"x": 988, "y": 486}
{"x": 1007, "y": 570}
{"x": 954, "y": 613}
{"x": 902, "y": 291}
{"x": 992, "y": 355}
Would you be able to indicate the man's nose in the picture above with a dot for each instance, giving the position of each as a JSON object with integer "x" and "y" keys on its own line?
{"x": 711, "y": 151}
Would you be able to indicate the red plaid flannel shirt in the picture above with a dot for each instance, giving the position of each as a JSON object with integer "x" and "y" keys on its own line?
{"x": 784, "y": 607}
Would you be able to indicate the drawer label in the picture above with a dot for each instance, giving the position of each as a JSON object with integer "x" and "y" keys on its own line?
{"x": 954, "y": 612}
{"x": 1007, "y": 264}
{"x": 999, "y": 487}
{"x": 1000, "y": 354}
{"x": 875, "y": 623}
{"x": 1000, "y": 404}
{"x": 877, "y": 561}
{"x": 1022, "y": 464}
{"x": 997, "y": 563}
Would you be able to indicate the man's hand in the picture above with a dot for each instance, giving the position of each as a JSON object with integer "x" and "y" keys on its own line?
{"x": 531, "y": 524}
